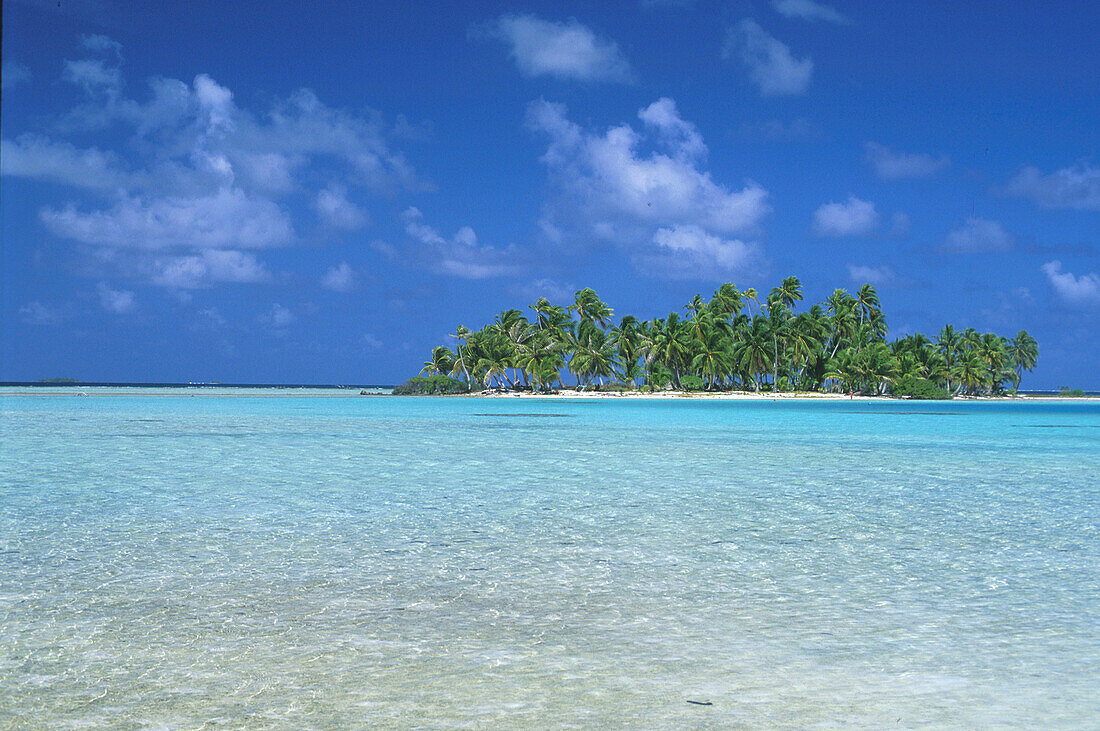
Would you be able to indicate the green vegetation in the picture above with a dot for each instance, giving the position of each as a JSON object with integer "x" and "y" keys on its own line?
{"x": 59, "y": 381}
{"x": 1071, "y": 392}
{"x": 736, "y": 340}
{"x": 431, "y": 386}
{"x": 915, "y": 387}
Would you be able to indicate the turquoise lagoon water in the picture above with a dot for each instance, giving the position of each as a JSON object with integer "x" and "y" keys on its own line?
{"x": 172, "y": 561}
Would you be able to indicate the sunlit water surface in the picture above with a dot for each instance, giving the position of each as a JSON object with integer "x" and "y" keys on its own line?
{"x": 301, "y": 561}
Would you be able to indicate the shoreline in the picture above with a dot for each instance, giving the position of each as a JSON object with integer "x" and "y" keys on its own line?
{"x": 565, "y": 395}
{"x": 752, "y": 396}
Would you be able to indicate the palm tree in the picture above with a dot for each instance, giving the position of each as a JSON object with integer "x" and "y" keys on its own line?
{"x": 713, "y": 361}
{"x": 627, "y": 339}
{"x": 970, "y": 372}
{"x": 878, "y": 367}
{"x": 948, "y": 342}
{"x": 750, "y": 295}
{"x": 867, "y": 302}
{"x": 461, "y": 333}
{"x": 841, "y": 308}
{"x": 669, "y": 346}
{"x": 589, "y": 306}
{"x": 697, "y": 305}
{"x": 789, "y": 292}
{"x": 441, "y": 362}
{"x": 778, "y": 320}
{"x": 594, "y": 356}
{"x": 752, "y": 352}
{"x": 726, "y": 302}
{"x": 838, "y": 343}
{"x": 804, "y": 339}
{"x": 1023, "y": 352}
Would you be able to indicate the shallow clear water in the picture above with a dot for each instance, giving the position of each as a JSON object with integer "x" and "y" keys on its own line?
{"x": 173, "y": 561}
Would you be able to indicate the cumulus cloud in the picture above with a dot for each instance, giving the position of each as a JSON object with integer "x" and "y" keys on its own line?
{"x": 207, "y": 268}
{"x": 93, "y": 75}
{"x": 39, "y": 158}
{"x": 461, "y": 255}
{"x": 116, "y": 301}
{"x": 1082, "y": 291}
{"x": 855, "y": 217}
{"x": 192, "y": 178}
{"x": 333, "y": 206}
{"x": 13, "y": 74}
{"x": 226, "y": 218}
{"x": 609, "y": 189}
{"x": 676, "y": 134}
{"x": 770, "y": 63}
{"x": 101, "y": 44}
{"x": 339, "y": 278}
{"x": 616, "y": 186}
{"x": 893, "y": 165}
{"x": 278, "y": 316}
{"x": 978, "y": 236}
{"x": 691, "y": 252}
{"x": 565, "y": 50}
{"x": 39, "y": 314}
{"x": 809, "y": 10}
{"x": 880, "y": 276}
{"x": 1075, "y": 187}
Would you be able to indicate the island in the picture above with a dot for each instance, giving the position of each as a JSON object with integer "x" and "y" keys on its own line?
{"x": 737, "y": 341}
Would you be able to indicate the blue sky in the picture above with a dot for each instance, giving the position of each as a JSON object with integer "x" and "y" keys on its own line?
{"x": 248, "y": 193}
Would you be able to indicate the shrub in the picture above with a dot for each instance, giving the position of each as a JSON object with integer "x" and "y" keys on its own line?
{"x": 692, "y": 383}
{"x": 431, "y": 386}
{"x": 918, "y": 388}
{"x": 1074, "y": 392}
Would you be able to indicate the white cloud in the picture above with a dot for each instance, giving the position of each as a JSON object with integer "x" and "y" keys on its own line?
{"x": 614, "y": 186}
{"x": 809, "y": 10}
{"x": 772, "y": 66}
{"x": 340, "y": 278}
{"x": 216, "y": 103}
{"x": 209, "y": 267}
{"x": 689, "y": 251}
{"x": 101, "y": 44}
{"x": 896, "y": 165}
{"x": 460, "y": 256}
{"x": 13, "y": 74}
{"x": 371, "y": 342}
{"x": 278, "y": 316}
{"x": 335, "y": 209}
{"x": 978, "y": 236}
{"x": 93, "y": 75}
{"x": 41, "y": 314}
{"x": 116, "y": 301}
{"x": 566, "y": 50}
{"x": 1073, "y": 187}
{"x": 36, "y": 157}
{"x": 226, "y": 219}
{"x": 610, "y": 190}
{"x": 1082, "y": 291}
{"x": 186, "y": 172}
{"x": 853, "y": 218}
{"x": 679, "y": 136}
{"x": 879, "y": 276}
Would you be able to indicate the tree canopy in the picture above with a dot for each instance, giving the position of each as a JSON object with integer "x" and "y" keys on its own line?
{"x": 733, "y": 341}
